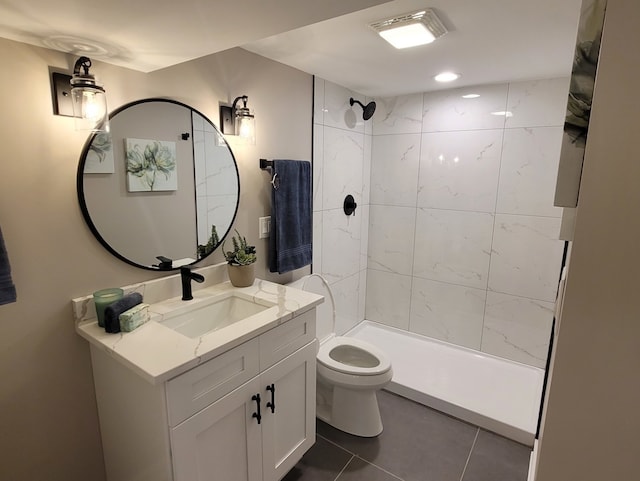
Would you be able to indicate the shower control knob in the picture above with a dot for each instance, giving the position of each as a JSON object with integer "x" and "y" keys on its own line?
{"x": 349, "y": 205}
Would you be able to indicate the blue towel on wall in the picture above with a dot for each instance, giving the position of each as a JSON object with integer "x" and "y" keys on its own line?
{"x": 7, "y": 289}
{"x": 291, "y": 216}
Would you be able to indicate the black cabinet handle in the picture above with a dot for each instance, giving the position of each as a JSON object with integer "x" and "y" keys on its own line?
{"x": 272, "y": 404}
{"x": 257, "y": 415}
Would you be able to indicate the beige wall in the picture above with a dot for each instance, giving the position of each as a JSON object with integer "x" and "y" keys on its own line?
{"x": 48, "y": 418}
{"x": 592, "y": 426}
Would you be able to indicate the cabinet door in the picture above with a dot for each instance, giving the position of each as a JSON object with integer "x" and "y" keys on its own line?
{"x": 221, "y": 442}
{"x": 289, "y": 431}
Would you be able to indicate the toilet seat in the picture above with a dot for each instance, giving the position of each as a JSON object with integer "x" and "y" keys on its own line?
{"x": 359, "y": 357}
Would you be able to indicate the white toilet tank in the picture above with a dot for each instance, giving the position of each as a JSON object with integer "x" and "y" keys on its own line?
{"x": 325, "y": 312}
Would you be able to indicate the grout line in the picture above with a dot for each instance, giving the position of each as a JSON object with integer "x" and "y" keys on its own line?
{"x": 494, "y": 214}
{"x": 380, "y": 468}
{"x": 335, "y": 444}
{"x": 344, "y": 467}
{"x": 353, "y": 456}
{"x": 464, "y": 470}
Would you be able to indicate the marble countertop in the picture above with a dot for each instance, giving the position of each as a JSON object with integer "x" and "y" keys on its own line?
{"x": 158, "y": 353}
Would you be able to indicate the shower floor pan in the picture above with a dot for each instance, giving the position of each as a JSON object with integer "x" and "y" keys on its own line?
{"x": 494, "y": 393}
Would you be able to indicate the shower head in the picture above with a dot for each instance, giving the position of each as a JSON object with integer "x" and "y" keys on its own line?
{"x": 367, "y": 110}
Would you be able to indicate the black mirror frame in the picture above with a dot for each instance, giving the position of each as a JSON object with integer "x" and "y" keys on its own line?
{"x": 83, "y": 205}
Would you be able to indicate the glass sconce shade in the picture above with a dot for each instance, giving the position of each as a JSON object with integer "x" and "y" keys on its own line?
{"x": 90, "y": 109}
{"x": 246, "y": 125}
{"x": 238, "y": 121}
{"x": 89, "y": 99}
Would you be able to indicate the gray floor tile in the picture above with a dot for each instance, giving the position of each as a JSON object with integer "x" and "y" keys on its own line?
{"x": 417, "y": 444}
{"x": 495, "y": 458}
{"x": 360, "y": 470}
{"x": 323, "y": 462}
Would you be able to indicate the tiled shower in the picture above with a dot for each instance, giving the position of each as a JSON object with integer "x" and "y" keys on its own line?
{"x": 455, "y": 234}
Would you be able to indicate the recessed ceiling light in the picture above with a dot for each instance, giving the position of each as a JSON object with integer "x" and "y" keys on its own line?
{"x": 446, "y": 77}
{"x": 503, "y": 113}
{"x": 411, "y": 29}
{"x": 471, "y": 96}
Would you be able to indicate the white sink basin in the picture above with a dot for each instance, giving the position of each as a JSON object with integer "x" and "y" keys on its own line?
{"x": 213, "y": 314}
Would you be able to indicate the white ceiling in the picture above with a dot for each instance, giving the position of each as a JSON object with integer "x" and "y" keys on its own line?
{"x": 488, "y": 40}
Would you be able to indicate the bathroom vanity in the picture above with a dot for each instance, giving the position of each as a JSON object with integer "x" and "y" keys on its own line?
{"x": 218, "y": 388}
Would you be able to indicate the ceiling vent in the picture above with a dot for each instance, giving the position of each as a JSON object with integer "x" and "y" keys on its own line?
{"x": 411, "y": 29}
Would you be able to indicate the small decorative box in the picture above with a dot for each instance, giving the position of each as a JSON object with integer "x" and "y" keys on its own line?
{"x": 134, "y": 317}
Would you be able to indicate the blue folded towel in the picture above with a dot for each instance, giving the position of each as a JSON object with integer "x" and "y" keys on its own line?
{"x": 112, "y": 311}
{"x": 7, "y": 288}
{"x": 291, "y": 216}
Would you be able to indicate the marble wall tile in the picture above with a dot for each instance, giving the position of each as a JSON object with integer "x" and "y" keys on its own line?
{"x": 337, "y": 111}
{"x": 526, "y": 256}
{"x": 398, "y": 115}
{"x": 453, "y": 246}
{"x": 220, "y": 211}
{"x": 364, "y": 212}
{"x": 448, "y": 312}
{"x": 198, "y": 121}
{"x": 395, "y": 162}
{"x": 528, "y": 171}
{"x": 362, "y": 295}
{"x": 517, "y": 328}
{"x": 447, "y": 110}
{"x": 388, "y": 298}
{"x": 218, "y": 179}
{"x": 539, "y": 103}
{"x": 391, "y": 238}
{"x": 317, "y": 246}
{"x": 368, "y": 124}
{"x": 366, "y": 169}
{"x": 318, "y": 166}
{"x": 318, "y": 100}
{"x": 340, "y": 245}
{"x": 343, "y": 167}
{"x": 199, "y": 157}
{"x": 346, "y": 297}
{"x": 459, "y": 170}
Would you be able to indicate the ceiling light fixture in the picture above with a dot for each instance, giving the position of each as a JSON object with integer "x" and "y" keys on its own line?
{"x": 471, "y": 96}
{"x": 446, "y": 77}
{"x": 411, "y": 29}
{"x": 503, "y": 113}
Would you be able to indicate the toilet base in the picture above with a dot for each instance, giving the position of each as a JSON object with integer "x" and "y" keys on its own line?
{"x": 352, "y": 411}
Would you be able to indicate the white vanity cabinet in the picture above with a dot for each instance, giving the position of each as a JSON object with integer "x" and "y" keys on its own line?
{"x": 207, "y": 424}
{"x": 233, "y": 440}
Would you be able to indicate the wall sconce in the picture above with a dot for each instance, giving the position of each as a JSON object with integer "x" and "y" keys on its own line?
{"x": 81, "y": 97}
{"x": 238, "y": 120}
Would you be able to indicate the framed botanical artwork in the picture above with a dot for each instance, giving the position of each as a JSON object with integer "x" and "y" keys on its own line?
{"x": 151, "y": 165}
{"x": 99, "y": 158}
{"x": 581, "y": 86}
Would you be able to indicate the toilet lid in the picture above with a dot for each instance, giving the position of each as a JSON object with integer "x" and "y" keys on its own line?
{"x": 353, "y": 356}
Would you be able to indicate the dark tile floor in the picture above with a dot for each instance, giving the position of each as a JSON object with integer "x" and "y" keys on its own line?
{"x": 417, "y": 444}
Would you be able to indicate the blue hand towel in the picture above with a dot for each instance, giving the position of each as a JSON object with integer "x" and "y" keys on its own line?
{"x": 291, "y": 216}
{"x": 112, "y": 311}
{"x": 7, "y": 288}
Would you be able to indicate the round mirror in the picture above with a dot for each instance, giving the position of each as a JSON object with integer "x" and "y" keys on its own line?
{"x": 161, "y": 190}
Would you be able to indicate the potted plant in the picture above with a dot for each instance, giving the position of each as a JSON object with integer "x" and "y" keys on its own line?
{"x": 240, "y": 261}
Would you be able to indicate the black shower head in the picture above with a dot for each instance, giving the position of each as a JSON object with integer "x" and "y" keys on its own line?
{"x": 367, "y": 110}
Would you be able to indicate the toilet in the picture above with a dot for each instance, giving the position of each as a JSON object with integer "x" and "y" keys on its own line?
{"x": 349, "y": 371}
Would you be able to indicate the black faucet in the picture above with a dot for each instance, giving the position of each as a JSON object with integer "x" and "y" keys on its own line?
{"x": 187, "y": 276}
